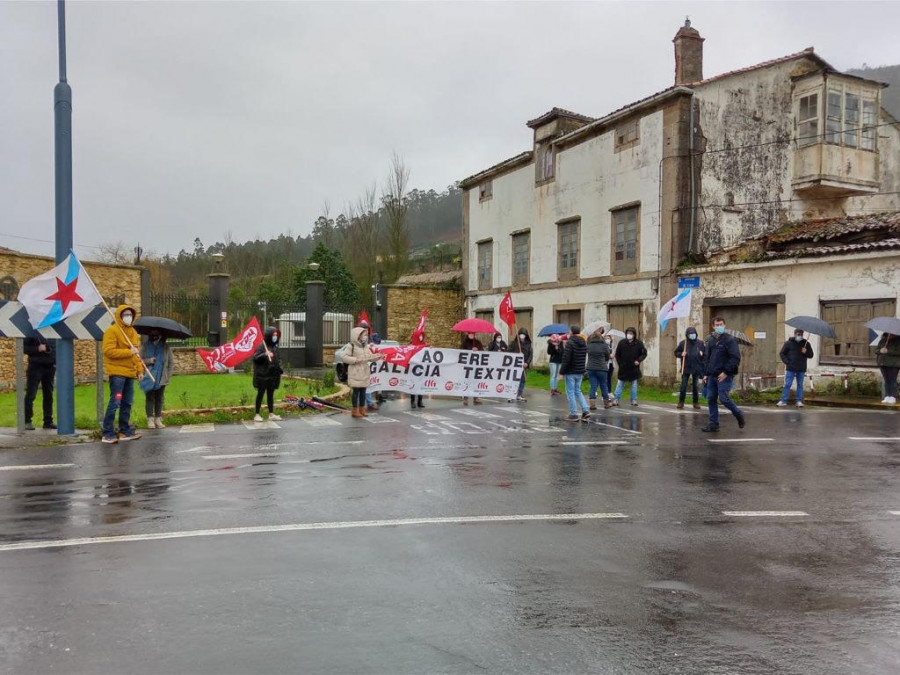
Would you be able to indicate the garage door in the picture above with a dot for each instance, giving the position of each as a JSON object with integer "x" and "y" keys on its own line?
{"x": 758, "y": 322}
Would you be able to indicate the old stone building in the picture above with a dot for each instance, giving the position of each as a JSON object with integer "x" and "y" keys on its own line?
{"x": 731, "y": 178}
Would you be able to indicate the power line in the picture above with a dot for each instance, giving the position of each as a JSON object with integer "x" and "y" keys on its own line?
{"x": 46, "y": 241}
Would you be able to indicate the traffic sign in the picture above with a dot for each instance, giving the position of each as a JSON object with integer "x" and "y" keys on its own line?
{"x": 688, "y": 282}
{"x": 14, "y": 320}
{"x": 88, "y": 325}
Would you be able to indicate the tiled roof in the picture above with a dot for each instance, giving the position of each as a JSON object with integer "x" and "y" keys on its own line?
{"x": 809, "y": 52}
{"x": 557, "y": 112}
{"x": 428, "y": 278}
{"x": 832, "y": 228}
{"x": 521, "y": 158}
{"x": 884, "y": 244}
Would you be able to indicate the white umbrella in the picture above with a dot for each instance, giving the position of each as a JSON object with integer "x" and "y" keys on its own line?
{"x": 616, "y": 334}
{"x": 594, "y": 325}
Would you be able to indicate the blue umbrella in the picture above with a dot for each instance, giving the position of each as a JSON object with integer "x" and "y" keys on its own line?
{"x": 554, "y": 329}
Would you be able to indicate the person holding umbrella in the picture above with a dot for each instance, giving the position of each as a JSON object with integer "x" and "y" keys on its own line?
{"x": 471, "y": 343}
{"x": 555, "y": 352}
{"x": 888, "y": 360}
{"x": 157, "y": 354}
{"x": 795, "y": 354}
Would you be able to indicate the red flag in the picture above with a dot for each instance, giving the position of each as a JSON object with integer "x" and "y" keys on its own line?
{"x": 507, "y": 311}
{"x": 235, "y": 352}
{"x": 364, "y": 316}
{"x": 418, "y": 335}
{"x": 400, "y": 356}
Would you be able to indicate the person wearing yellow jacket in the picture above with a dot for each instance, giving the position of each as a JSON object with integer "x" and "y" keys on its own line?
{"x": 123, "y": 366}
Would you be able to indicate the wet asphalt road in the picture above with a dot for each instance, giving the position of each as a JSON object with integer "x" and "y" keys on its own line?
{"x": 652, "y": 548}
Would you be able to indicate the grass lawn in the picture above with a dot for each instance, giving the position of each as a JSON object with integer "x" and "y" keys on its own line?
{"x": 184, "y": 392}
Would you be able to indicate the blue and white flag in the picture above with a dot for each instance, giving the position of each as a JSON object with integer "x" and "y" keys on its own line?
{"x": 63, "y": 291}
{"x": 677, "y": 307}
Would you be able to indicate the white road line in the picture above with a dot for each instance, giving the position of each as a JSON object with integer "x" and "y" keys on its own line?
{"x": 426, "y": 415}
{"x": 198, "y": 428}
{"x": 246, "y": 454}
{"x": 379, "y": 419}
{"x": 613, "y": 426}
{"x": 740, "y": 440}
{"x": 874, "y": 438}
{"x": 303, "y": 527}
{"x": 594, "y": 443}
{"x": 894, "y": 513}
{"x": 27, "y": 467}
{"x": 202, "y": 448}
{"x": 321, "y": 422}
{"x": 765, "y": 514}
{"x": 266, "y": 424}
{"x": 656, "y": 407}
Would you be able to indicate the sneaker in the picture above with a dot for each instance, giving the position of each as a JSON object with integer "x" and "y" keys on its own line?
{"x": 50, "y": 425}
{"x": 421, "y": 404}
{"x": 800, "y": 404}
{"x": 573, "y": 418}
{"x": 615, "y": 402}
{"x": 110, "y": 439}
{"x": 891, "y": 400}
{"x": 741, "y": 422}
{"x": 276, "y": 418}
{"x": 129, "y": 435}
{"x": 521, "y": 399}
{"x": 634, "y": 403}
{"x": 781, "y": 404}
{"x": 585, "y": 416}
{"x": 886, "y": 399}
{"x": 151, "y": 422}
{"x": 159, "y": 423}
{"x": 30, "y": 427}
{"x": 257, "y": 418}
{"x": 710, "y": 428}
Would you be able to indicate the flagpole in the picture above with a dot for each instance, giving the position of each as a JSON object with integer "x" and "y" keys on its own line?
{"x": 62, "y": 122}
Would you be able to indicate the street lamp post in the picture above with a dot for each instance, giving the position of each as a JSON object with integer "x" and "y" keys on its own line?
{"x": 264, "y": 307}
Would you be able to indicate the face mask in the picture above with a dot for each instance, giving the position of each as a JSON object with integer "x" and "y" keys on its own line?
{"x": 719, "y": 329}
{"x": 154, "y": 338}
{"x": 471, "y": 336}
{"x": 692, "y": 336}
{"x": 274, "y": 339}
{"x": 798, "y": 338}
{"x": 522, "y": 336}
{"x": 629, "y": 337}
{"x": 497, "y": 340}
{"x": 127, "y": 319}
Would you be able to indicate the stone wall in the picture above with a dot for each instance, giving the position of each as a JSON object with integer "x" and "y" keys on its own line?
{"x": 405, "y": 304}
{"x": 188, "y": 361}
{"x": 117, "y": 283}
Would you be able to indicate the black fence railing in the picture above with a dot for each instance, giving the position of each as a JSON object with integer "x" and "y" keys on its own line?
{"x": 288, "y": 318}
{"x": 190, "y": 310}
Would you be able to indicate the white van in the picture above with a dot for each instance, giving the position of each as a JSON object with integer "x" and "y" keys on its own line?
{"x": 335, "y": 329}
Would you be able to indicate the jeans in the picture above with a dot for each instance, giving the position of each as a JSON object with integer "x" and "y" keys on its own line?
{"x": 154, "y": 402}
{"x": 369, "y": 401}
{"x": 789, "y": 377}
{"x": 620, "y": 385}
{"x": 39, "y": 376}
{"x": 121, "y": 396}
{"x": 554, "y": 375}
{"x": 522, "y": 383}
{"x": 598, "y": 377}
{"x": 718, "y": 392}
{"x": 359, "y": 397}
{"x": 573, "y": 390}
{"x": 889, "y": 374}
{"x": 694, "y": 389}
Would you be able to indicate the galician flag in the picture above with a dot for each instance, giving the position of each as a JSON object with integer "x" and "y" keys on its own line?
{"x": 63, "y": 291}
{"x": 677, "y": 307}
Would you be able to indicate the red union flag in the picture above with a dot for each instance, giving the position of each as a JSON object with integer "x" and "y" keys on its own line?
{"x": 418, "y": 335}
{"x": 235, "y": 352}
{"x": 400, "y": 356}
{"x": 507, "y": 311}
{"x": 364, "y": 319}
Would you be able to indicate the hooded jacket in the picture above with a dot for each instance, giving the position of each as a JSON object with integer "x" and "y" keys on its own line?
{"x": 523, "y": 347}
{"x": 469, "y": 344}
{"x": 266, "y": 372}
{"x": 574, "y": 356}
{"x": 357, "y": 356}
{"x": 892, "y": 358}
{"x": 793, "y": 357}
{"x": 691, "y": 354}
{"x": 117, "y": 356}
{"x": 627, "y": 353}
{"x": 598, "y": 354}
{"x": 498, "y": 345}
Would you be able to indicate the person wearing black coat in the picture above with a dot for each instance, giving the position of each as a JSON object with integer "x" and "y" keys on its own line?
{"x": 40, "y": 372}
{"x": 522, "y": 345}
{"x": 723, "y": 359}
{"x": 267, "y": 372}
{"x": 574, "y": 363}
{"x": 555, "y": 348}
{"x": 795, "y": 354}
{"x": 498, "y": 344}
{"x": 630, "y": 353}
{"x": 471, "y": 343}
{"x": 690, "y": 353}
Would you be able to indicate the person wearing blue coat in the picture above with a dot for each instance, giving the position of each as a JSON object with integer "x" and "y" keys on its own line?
{"x": 723, "y": 359}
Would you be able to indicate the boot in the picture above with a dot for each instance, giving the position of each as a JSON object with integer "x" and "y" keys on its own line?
{"x": 696, "y": 405}
{"x": 355, "y": 412}
{"x": 593, "y": 404}
{"x": 680, "y": 403}
{"x": 362, "y": 411}
{"x": 607, "y": 403}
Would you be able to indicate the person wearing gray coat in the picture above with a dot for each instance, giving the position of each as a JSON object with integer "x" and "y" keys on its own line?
{"x": 598, "y": 356}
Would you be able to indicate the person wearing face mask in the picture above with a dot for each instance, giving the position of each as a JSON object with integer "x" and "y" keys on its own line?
{"x": 723, "y": 359}
{"x": 690, "y": 353}
{"x": 471, "y": 343}
{"x": 795, "y": 354}
{"x": 555, "y": 352}
{"x": 610, "y": 369}
{"x": 497, "y": 344}
{"x": 160, "y": 361}
{"x": 522, "y": 345}
{"x": 267, "y": 372}
{"x": 598, "y": 356}
{"x": 122, "y": 365}
{"x": 359, "y": 356}
{"x": 630, "y": 353}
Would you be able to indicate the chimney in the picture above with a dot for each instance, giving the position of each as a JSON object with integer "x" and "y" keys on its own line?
{"x": 688, "y": 54}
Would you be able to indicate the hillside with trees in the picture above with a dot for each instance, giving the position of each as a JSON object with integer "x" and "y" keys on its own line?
{"x": 890, "y": 97}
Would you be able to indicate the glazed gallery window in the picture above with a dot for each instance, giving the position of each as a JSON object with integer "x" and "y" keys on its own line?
{"x": 485, "y": 265}
{"x": 850, "y": 120}
{"x": 625, "y": 237}
{"x": 808, "y": 120}
{"x": 567, "y": 242}
{"x": 521, "y": 255}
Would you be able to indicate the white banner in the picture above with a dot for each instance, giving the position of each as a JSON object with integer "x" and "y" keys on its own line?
{"x": 452, "y": 372}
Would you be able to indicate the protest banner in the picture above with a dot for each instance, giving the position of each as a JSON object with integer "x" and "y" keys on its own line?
{"x": 451, "y": 372}
{"x": 233, "y": 353}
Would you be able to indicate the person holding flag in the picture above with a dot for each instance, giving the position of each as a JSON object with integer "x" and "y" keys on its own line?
{"x": 691, "y": 355}
{"x": 522, "y": 345}
{"x": 122, "y": 364}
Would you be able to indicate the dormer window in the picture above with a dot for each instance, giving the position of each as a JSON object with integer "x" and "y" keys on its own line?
{"x": 544, "y": 166}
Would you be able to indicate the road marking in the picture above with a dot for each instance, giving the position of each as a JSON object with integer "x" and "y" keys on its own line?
{"x": 380, "y": 420}
{"x": 656, "y": 407}
{"x": 425, "y": 415}
{"x": 198, "y": 428}
{"x": 765, "y": 514}
{"x": 613, "y": 426}
{"x": 201, "y": 448}
{"x": 475, "y": 413}
{"x": 303, "y": 527}
{"x": 874, "y": 438}
{"x": 740, "y": 440}
{"x": 26, "y": 467}
{"x": 322, "y": 422}
{"x": 246, "y": 454}
{"x": 894, "y": 513}
{"x": 594, "y": 443}
{"x": 267, "y": 424}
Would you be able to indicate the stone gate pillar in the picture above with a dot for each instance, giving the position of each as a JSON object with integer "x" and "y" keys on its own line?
{"x": 315, "y": 310}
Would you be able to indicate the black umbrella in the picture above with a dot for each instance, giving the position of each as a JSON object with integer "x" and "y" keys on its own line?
{"x": 885, "y": 324}
{"x": 811, "y": 324}
{"x": 739, "y": 336}
{"x": 168, "y": 328}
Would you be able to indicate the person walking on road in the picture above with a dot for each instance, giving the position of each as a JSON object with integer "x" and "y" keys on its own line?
{"x": 122, "y": 366}
{"x": 555, "y": 352}
{"x": 161, "y": 363}
{"x": 40, "y": 372}
{"x": 795, "y": 354}
{"x": 723, "y": 359}
{"x": 267, "y": 372}
{"x": 358, "y": 356}
{"x": 888, "y": 360}
{"x": 573, "y": 367}
{"x": 473, "y": 344}
{"x": 630, "y": 353}
{"x": 598, "y": 356}
{"x": 690, "y": 353}
{"x": 522, "y": 345}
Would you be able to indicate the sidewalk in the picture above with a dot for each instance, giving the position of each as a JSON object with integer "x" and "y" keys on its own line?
{"x": 848, "y": 402}
{"x": 40, "y": 437}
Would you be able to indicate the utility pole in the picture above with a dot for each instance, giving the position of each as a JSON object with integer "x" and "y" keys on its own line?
{"x": 62, "y": 121}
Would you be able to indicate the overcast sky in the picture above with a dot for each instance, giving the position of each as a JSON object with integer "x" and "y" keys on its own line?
{"x": 199, "y": 119}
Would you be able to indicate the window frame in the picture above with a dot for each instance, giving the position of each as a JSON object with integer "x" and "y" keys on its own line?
{"x": 626, "y": 266}
{"x": 627, "y": 135}
{"x": 809, "y": 136}
{"x": 826, "y": 355}
{"x": 485, "y": 282}
{"x": 573, "y": 271}
{"x": 847, "y": 125}
{"x": 520, "y": 278}
{"x": 486, "y": 190}
{"x": 545, "y": 163}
